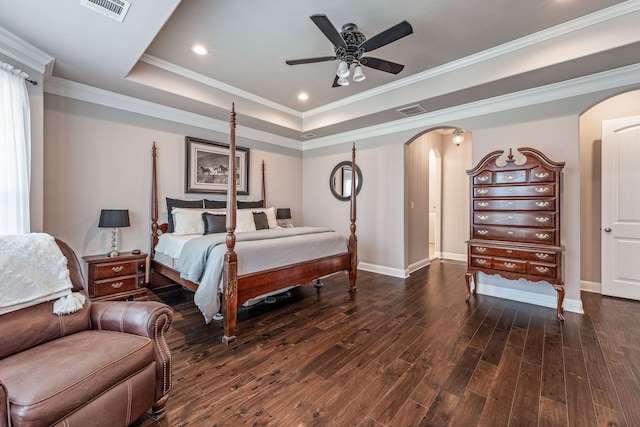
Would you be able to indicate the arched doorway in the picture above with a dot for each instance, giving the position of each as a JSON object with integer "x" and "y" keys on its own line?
{"x": 426, "y": 157}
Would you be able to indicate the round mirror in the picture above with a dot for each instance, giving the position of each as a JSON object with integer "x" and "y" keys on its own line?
{"x": 340, "y": 180}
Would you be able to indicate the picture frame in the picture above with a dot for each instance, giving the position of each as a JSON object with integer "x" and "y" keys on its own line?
{"x": 207, "y": 165}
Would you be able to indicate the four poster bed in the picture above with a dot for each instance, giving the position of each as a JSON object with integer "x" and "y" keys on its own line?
{"x": 270, "y": 259}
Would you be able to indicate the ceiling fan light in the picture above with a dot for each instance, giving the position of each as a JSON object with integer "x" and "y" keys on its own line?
{"x": 343, "y": 70}
{"x": 458, "y": 137}
{"x": 343, "y": 81}
{"x": 358, "y": 75}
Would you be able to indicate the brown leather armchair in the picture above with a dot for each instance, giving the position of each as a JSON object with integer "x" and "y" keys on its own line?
{"x": 105, "y": 365}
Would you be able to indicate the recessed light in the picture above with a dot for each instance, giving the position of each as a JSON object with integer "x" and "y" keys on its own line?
{"x": 199, "y": 49}
{"x": 303, "y": 96}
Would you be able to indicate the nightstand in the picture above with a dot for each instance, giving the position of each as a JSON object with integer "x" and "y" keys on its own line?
{"x": 119, "y": 277}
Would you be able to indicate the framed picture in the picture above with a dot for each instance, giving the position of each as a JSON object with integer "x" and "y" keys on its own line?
{"x": 207, "y": 167}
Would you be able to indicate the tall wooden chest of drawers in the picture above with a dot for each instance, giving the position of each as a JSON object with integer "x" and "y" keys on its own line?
{"x": 515, "y": 220}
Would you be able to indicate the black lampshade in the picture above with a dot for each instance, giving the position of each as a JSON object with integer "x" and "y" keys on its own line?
{"x": 114, "y": 218}
{"x": 283, "y": 213}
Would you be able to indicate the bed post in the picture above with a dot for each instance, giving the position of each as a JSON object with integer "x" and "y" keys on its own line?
{"x": 230, "y": 269}
{"x": 353, "y": 240}
{"x": 154, "y": 202}
{"x": 264, "y": 189}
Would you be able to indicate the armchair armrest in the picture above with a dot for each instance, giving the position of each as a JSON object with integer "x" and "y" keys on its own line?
{"x": 4, "y": 406}
{"x": 149, "y": 319}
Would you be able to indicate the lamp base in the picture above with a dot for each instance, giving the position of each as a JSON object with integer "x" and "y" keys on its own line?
{"x": 113, "y": 254}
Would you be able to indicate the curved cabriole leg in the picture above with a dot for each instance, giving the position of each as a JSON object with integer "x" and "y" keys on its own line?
{"x": 560, "y": 289}
{"x": 468, "y": 277}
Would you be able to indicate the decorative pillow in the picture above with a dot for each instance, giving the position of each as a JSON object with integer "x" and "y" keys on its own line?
{"x": 244, "y": 221}
{"x": 177, "y": 203}
{"x": 188, "y": 221}
{"x": 214, "y": 222}
{"x": 250, "y": 205}
{"x": 271, "y": 216}
{"x": 215, "y": 204}
{"x": 260, "y": 219}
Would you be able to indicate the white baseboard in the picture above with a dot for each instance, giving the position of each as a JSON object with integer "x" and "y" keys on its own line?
{"x": 594, "y": 287}
{"x": 418, "y": 265}
{"x": 388, "y": 271}
{"x": 455, "y": 257}
{"x": 574, "y": 306}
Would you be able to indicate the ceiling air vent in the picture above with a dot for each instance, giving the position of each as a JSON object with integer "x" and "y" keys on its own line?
{"x": 114, "y": 9}
{"x": 307, "y": 135}
{"x": 412, "y": 110}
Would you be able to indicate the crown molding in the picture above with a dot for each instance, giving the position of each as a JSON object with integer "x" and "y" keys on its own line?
{"x": 624, "y": 76}
{"x": 506, "y": 48}
{"x": 620, "y": 77}
{"x": 181, "y": 71}
{"x": 81, "y": 92}
{"x": 26, "y": 53}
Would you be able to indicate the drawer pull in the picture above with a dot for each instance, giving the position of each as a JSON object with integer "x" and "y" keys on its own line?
{"x": 483, "y": 191}
{"x": 542, "y": 189}
{"x": 542, "y": 256}
{"x": 483, "y": 204}
{"x": 542, "y": 235}
{"x": 509, "y": 265}
{"x": 509, "y": 251}
{"x": 483, "y": 217}
{"x": 481, "y": 249}
{"x": 542, "y": 174}
{"x": 542, "y": 269}
{"x": 509, "y": 232}
{"x": 481, "y": 261}
{"x": 483, "y": 232}
{"x": 483, "y": 178}
{"x": 542, "y": 218}
{"x": 542, "y": 204}
{"x": 117, "y": 285}
{"x": 510, "y": 177}
{"x": 117, "y": 269}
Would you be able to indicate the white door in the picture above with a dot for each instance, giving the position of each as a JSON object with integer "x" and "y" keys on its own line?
{"x": 621, "y": 207}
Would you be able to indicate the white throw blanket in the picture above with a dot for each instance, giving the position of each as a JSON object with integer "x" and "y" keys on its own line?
{"x": 34, "y": 270}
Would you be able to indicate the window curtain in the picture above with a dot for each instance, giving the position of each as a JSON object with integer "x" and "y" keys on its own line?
{"x": 15, "y": 151}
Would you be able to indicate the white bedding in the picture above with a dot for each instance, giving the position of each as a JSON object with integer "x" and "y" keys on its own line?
{"x": 256, "y": 251}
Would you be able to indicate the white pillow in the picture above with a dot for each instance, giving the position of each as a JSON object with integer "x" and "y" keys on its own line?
{"x": 271, "y": 216}
{"x": 189, "y": 220}
{"x": 244, "y": 220}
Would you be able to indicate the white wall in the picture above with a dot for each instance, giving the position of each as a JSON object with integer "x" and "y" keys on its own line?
{"x": 99, "y": 158}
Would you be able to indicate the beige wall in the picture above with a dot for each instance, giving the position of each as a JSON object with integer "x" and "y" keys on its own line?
{"x": 627, "y": 104}
{"x": 99, "y": 158}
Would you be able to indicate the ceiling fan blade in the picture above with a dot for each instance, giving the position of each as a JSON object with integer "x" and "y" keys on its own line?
{"x": 310, "y": 60}
{"x": 335, "y": 82}
{"x": 389, "y": 35}
{"x": 328, "y": 30}
{"x": 381, "y": 64}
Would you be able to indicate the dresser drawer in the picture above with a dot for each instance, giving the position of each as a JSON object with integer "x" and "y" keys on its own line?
{"x": 543, "y": 270}
{"x": 481, "y": 262}
{"x": 511, "y": 177}
{"x": 114, "y": 286}
{"x": 541, "y": 190}
{"x": 529, "y": 235}
{"x": 515, "y": 205}
{"x": 519, "y": 219}
{"x": 513, "y": 265}
{"x": 541, "y": 174}
{"x": 122, "y": 268}
{"x": 543, "y": 256}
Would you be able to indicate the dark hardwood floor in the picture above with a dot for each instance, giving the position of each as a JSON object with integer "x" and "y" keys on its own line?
{"x": 406, "y": 353}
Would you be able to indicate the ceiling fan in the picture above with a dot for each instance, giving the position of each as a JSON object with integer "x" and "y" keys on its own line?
{"x": 350, "y": 45}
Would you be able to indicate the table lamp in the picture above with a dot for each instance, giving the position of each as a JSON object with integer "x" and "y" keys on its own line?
{"x": 114, "y": 218}
{"x": 283, "y": 215}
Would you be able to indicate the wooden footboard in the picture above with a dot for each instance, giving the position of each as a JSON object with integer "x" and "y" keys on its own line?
{"x": 238, "y": 289}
